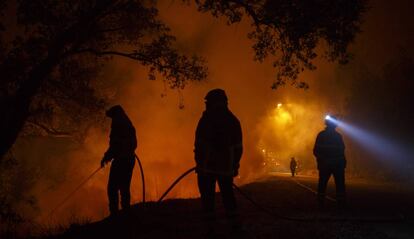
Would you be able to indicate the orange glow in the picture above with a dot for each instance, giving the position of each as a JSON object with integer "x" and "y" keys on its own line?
{"x": 166, "y": 133}
{"x": 282, "y": 116}
{"x": 286, "y": 132}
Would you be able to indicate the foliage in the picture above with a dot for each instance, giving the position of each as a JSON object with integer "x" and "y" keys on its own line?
{"x": 289, "y": 31}
{"x": 52, "y": 57}
{"x": 15, "y": 181}
{"x": 383, "y": 100}
{"x": 382, "y": 104}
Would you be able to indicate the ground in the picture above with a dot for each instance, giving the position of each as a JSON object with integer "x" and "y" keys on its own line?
{"x": 288, "y": 210}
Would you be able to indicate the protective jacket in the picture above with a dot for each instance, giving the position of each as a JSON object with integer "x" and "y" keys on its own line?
{"x": 329, "y": 149}
{"x": 218, "y": 143}
{"x": 122, "y": 140}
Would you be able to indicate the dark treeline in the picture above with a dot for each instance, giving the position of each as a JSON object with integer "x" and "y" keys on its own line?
{"x": 381, "y": 103}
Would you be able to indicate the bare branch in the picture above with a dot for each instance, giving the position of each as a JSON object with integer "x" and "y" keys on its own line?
{"x": 133, "y": 56}
{"x": 130, "y": 55}
{"x": 50, "y": 131}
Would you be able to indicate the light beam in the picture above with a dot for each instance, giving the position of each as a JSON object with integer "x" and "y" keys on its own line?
{"x": 379, "y": 146}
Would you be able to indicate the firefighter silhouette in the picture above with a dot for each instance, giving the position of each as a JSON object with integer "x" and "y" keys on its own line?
{"x": 121, "y": 154}
{"x": 218, "y": 150}
{"x": 329, "y": 151}
{"x": 293, "y": 166}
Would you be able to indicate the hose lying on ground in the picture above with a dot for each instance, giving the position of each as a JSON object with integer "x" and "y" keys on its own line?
{"x": 257, "y": 205}
{"x": 311, "y": 190}
{"x": 297, "y": 219}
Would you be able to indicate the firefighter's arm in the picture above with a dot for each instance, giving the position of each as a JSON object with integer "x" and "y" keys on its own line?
{"x": 342, "y": 145}
{"x": 199, "y": 141}
{"x": 316, "y": 151}
{"x": 238, "y": 149}
{"x": 109, "y": 154}
{"x": 316, "y": 147}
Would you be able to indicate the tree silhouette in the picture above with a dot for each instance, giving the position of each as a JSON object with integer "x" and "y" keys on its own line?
{"x": 289, "y": 31}
{"x": 381, "y": 103}
{"x": 59, "y": 48}
{"x": 51, "y": 57}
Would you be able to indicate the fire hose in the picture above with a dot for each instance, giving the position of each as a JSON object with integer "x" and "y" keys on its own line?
{"x": 74, "y": 191}
{"x": 282, "y": 217}
{"x": 247, "y": 197}
{"x": 142, "y": 178}
{"x": 175, "y": 183}
{"x": 90, "y": 177}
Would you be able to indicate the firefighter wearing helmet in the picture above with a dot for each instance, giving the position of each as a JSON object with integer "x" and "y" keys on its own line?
{"x": 218, "y": 150}
{"x": 121, "y": 154}
{"x": 329, "y": 151}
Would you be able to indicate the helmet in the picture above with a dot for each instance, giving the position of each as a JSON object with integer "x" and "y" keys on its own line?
{"x": 216, "y": 95}
{"x": 115, "y": 111}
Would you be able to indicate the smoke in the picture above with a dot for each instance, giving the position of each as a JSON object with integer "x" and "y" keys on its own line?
{"x": 166, "y": 133}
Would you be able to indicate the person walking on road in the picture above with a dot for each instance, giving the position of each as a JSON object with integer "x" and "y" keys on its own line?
{"x": 293, "y": 166}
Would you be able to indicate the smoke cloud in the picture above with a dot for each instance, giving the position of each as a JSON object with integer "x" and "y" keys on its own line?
{"x": 166, "y": 133}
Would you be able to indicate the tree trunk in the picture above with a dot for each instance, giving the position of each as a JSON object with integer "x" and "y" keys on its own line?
{"x": 16, "y": 108}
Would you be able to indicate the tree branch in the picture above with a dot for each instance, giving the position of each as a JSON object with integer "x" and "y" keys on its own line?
{"x": 133, "y": 56}
{"x": 115, "y": 29}
{"x": 250, "y": 11}
{"x": 50, "y": 131}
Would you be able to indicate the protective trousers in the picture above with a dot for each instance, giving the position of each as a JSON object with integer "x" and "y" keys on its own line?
{"x": 339, "y": 176}
{"x": 207, "y": 186}
{"x": 120, "y": 181}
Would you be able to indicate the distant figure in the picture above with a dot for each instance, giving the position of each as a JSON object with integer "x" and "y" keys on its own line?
{"x": 121, "y": 151}
{"x": 293, "y": 166}
{"x": 218, "y": 149}
{"x": 329, "y": 151}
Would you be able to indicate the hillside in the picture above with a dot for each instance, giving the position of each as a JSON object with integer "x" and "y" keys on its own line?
{"x": 375, "y": 211}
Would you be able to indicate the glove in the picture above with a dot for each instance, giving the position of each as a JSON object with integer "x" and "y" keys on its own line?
{"x": 104, "y": 161}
